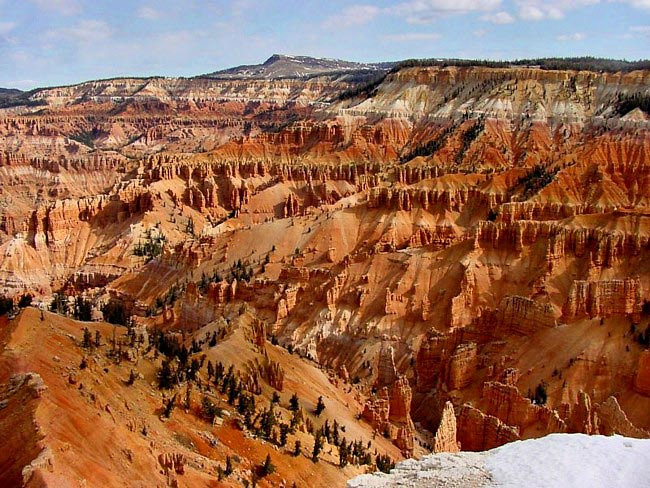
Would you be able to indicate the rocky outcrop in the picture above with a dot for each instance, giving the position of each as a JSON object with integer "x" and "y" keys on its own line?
{"x": 583, "y": 417}
{"x": 389, "y": 410}
{"x": 602, "y": 248}
{"x": 428, "y": 361}
{"x": 604, "y": 298}
{"x": 479, "y": 432}
{"x": 524, "y": 316}
{"x": 386, "y": 370}
{"x": 612, "y": 420}
{"x": 508, "y": 405}
{"x": 462, "y": 365}
{"x": 445, "y": 436}
{"x": 642, "y": 377}
{"x": 462, "y": 305}
{"x": 172, "y": 462}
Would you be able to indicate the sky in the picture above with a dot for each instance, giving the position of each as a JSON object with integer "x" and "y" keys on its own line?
{"x": 55, "y": 42}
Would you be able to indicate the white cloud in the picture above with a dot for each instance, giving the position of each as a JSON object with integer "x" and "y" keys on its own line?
{"x": 149, "y": 13}
{"x": 638, "y": 3}
{"x": 577, "y": 36}
{"x": 480, "y": 32}
{"x": 413, "y": 36}
{"x": 424, "y": 11}
{"x": 84, "y": 31}
{"x": 637, "y": 32}
{"x": 534, "y": 10}
{"x": 414, "y": 11}
{"x": 354, "y": 15}
{"x": 6, "y": 27}
{"x": 64, "y": 7}
{"x": 499, "y": 18}
{"x": 427, "y": 11}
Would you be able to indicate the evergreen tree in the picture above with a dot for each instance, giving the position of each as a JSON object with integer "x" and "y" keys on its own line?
{"x": 320, "y": 406}
{"x": 233, "y": 391}
{"x": 297, "y": 448}
{"x": 384, "y": 463}
{"x": 229, "y": 468}
{"x": 335, "y": 433}
{"x": 343, "y": 454}
{"x": 171, "y": 403}
{"x": 318, "y": 446}
{"x": 82, "y": 309}
{"x": 210, "y": 370}
{"x": 284, "y": 430}
{"x": 132, "y": 378}
{"x": 293, "y": 403}
{"x": 268, "y": 467}
{"x": 165, "y": 376}
{"x": 87, "y": 339}
{"x": 326, "y": 431}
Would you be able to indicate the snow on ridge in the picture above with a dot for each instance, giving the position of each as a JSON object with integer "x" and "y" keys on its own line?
{"x": 557, "y": 460}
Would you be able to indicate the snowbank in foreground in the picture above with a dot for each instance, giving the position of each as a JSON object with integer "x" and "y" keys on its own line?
{"x": 557, "y": 460}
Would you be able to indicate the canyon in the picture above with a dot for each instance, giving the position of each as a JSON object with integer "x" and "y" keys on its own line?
{"x": 452, "y": 258}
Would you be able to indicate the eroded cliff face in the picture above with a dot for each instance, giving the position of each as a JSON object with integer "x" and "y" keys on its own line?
{"x": 469, "y": 245}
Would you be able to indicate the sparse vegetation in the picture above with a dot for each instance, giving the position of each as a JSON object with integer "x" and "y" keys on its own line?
{"x": 114, "y": 312}
{"x": 152, "y": 246}
{"x": 535, "y": 180}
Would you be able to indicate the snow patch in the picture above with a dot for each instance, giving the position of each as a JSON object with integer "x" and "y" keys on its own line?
{"x": 557, "y": 460}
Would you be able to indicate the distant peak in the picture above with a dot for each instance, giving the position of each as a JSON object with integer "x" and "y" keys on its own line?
{"x": 274, "y": 58}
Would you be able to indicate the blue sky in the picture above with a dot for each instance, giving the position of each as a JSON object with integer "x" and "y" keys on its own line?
{"x": 51, "y": 42}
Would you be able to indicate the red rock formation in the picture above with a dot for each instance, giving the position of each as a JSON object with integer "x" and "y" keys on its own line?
{"x": 172, "y": 462}
{"x": 389, "y": 411}
{"x": 445, "y": 436}
{"x": 642, "y": 378}
{"x": 525, "y": 316}
{"x": 479, "y": 432}
{"x": 506, "y": 403}
{"x": 462, "y": 366}
{"x": 386, "y": 371}
{"x": 604, "y": 298}
{"x": 428, "y": 361}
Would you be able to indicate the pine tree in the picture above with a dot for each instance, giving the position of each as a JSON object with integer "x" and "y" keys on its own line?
{"x": 229, "y": 469}
{"x": 210, "y": 370}
{"x": 335, "y": 433}
{"x": 233, "y": 391}
{"x": 88, "y": 338}
{"x": 326, "y": 431}
{"x": 284, "y": 430}
{"x": 318, "y": 446}
{"x": 293, "y": 403}
{"x": 98, "y": 338}
{"x": 165, "y": 376}
{"x": 384, "y": 463}
{"x": 343, "y": 454}
{"x": 320, "y": 406}
{"x": 132, "y": 378}
{"x": 297, "y": 448}
{"x": 268, "y": 467}
{"x": 170, "y": 406}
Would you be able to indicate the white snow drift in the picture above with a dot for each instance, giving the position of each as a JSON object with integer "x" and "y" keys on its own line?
{"x": 557, "y": 460}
